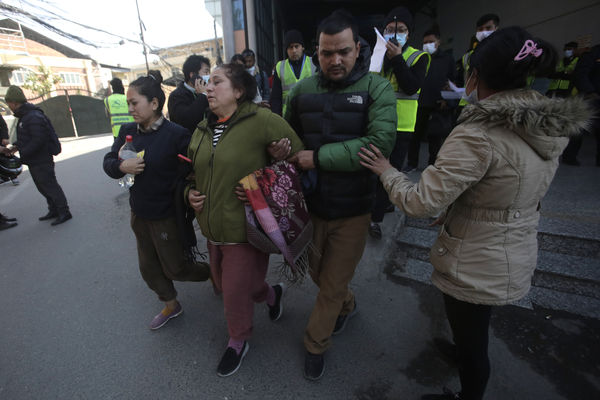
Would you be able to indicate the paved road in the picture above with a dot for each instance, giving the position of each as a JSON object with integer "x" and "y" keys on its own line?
{"x": 75, "y": 314}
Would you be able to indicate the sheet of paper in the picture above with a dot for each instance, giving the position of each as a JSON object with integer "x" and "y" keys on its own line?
{"x": 454, "y": 88}
{"x": 378, "y": 53}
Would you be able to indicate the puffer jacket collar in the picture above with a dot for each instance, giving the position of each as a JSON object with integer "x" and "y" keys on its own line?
{"x": 537, "y": 119}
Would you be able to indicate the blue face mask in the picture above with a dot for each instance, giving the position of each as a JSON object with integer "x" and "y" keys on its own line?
{"x": 400, "y": 37}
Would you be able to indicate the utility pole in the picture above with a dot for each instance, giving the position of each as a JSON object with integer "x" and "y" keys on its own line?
{"x": 142, "y": 36}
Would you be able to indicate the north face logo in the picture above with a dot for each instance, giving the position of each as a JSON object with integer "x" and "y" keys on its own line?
{"x": 355, "y": 99}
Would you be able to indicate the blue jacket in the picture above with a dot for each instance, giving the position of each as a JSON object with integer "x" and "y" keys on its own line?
{"x": 152, "y": 195}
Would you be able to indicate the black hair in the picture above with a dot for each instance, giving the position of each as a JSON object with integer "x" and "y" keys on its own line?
{"x": 494, "y": 59}
{"x": 236, "y": 57}
{"x": 248, "y": 53}
{"x": 338, "y": 21}
{"x": 432, "y": 31}
{"x": 572, "y": 45}
{"x": 193, "y": 64}
{"x": 117, "y": 86}
{"x": 241, "y": 80}
{"x": 487, "y": 17}
{"x": 149, "y": 86}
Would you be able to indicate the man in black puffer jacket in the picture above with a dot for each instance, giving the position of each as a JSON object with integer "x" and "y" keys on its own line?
{"x": 336, "y": 113}
{"x": 34, "y": 141}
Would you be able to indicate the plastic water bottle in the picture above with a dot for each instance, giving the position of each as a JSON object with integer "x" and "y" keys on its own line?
{"x": 127, "y": 151}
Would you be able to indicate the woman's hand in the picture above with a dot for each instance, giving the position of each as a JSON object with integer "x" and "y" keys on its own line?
{"x": 196, "y": 200}
{"x": 392, "y": 50}
{"x": 280, "y": 150}
{"x": 241, "y": 195}
{"x": 374, "y": 160}
{"x": 132, "y": 166}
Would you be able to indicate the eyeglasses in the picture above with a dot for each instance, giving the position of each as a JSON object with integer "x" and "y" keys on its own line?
{"x": 392, "y": 31}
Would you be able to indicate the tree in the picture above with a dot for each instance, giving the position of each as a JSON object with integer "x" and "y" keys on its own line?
{"x": 42, "y": 82}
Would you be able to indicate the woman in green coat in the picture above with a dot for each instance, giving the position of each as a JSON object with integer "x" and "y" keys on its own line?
{"x": 232, "y": 142}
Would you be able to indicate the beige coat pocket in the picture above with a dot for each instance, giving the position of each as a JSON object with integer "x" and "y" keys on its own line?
{"x": 444, "y": 253}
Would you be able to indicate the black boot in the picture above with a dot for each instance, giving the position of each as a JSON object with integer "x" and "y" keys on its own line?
{"x": 6, "y": 219}
{"x": 6, "y": 225}
{"x": 50, "y": 215}
{"x": 62, "y": 217}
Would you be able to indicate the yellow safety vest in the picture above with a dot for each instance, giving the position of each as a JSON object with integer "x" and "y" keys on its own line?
{"x": 407, "y": 105}
{"x": 466, "y": 59}
{"x": 288, "y": 79}
{"x": 563, "y": 84}
{"x": 116, "y": 104}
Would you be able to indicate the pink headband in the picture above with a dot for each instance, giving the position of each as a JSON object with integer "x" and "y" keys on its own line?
{"x": 530, "y": 47}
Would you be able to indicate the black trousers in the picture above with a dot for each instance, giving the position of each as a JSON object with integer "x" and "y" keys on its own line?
{"x": 572, "y": 150}
{"x": 45, "y": 181}
{"x": 382, "y": 201}
{"x": 470, "y": 324}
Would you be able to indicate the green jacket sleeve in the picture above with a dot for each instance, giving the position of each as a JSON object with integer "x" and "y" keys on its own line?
{"x": 278, "y": 128}
{"x": 381, "y": 131}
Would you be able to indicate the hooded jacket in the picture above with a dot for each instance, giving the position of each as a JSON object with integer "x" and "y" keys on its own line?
{"x": 33, "y": 135}
{"x": 336, "y": 119}
{"x": 490, "y": 176}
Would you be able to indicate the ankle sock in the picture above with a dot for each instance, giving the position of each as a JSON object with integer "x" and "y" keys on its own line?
{"x": 237, "y": 345}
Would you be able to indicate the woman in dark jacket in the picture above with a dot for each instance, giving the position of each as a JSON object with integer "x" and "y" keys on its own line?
{"x": 156, "y": 169}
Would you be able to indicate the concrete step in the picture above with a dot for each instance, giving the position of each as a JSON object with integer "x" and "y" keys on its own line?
{"x": 556, "y": 271}
{"x": 401, "y": 267}
{"x": 558, "y": 235}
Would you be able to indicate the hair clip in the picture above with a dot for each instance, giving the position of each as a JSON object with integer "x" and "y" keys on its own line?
{"x": 151, "y": 76}
{"x": 530, "y": 47}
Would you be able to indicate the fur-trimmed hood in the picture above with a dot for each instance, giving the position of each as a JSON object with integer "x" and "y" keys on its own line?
{"x": 540, "y": 121}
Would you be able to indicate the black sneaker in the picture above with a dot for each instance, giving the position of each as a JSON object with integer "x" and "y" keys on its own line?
{"x": 231, "y": 361}
{"x": 7, "y": 225}
{"x": 6, "y": 219}
{"x": 50, "y": 215}
{"x": 447, "y": 395}
{"x": 342, "y": 320}
{"x": 276, "y": 309}
{"x": 314, "y": 366}
{"x": 375, "y": 230}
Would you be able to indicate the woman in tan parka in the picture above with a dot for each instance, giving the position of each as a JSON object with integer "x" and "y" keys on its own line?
{"x": 488, "y": 178}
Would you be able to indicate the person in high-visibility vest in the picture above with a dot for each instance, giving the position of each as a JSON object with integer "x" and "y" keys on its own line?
{"x": 562, "y": 85}
{"x": 116, "y": 106}
{"x": 290, "y": 71}
{"x": 405, "y": 67}
{"x": 562, "y": 79}
{"x": 486, "y": 25}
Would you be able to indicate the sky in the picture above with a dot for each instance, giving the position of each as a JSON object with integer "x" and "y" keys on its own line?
{"x": 167, "y": 23}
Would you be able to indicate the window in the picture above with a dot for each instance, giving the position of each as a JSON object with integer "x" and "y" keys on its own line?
{"x": 70, "y": 78}
{"x": 18, "y": 77}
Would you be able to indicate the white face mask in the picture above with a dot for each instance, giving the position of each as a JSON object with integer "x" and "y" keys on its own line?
{"x": 251, "y": 69}
{"x": 400, "y": 37}
{"x": 205, "y": 78}
{"x": 568, "y": 53}
{"x": 472, "y": 97}
{"x": 429, "y": 47}
{"x": 482, "y": 35}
